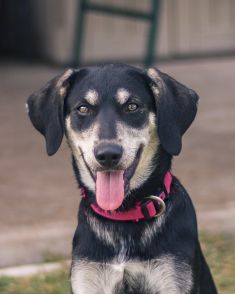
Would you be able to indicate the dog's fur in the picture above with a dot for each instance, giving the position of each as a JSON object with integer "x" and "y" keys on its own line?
{"x": 161, "y": 255}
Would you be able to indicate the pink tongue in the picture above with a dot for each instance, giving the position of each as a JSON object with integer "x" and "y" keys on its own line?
{"x": 109, "y": 189}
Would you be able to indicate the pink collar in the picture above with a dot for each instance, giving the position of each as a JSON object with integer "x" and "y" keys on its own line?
{"x": 150, "y": 207}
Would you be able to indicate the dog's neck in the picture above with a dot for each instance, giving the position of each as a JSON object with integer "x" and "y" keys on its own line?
{"x": 152, "y": 186}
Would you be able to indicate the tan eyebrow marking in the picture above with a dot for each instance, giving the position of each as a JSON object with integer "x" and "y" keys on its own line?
{"x": 92, "y": 97}
{"x": 122, "y": 95}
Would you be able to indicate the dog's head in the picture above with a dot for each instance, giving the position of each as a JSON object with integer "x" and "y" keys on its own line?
{"x": 114, "y": 117}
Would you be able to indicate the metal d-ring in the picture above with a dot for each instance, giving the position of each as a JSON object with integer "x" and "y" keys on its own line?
{"x": 162, "y": 204}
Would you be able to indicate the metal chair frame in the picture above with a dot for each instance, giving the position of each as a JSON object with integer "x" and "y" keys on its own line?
{"x": 150, "y": 17}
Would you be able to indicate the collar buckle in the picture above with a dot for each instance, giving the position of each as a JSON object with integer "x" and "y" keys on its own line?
{"x": 158, "y": 203}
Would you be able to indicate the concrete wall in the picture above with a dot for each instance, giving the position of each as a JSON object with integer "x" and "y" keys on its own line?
{"x": 186, "y": 26}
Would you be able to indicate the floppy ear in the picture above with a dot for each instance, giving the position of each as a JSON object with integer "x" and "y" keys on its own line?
{"x": 176, "y": 109}
{"x": 46, "y": 110}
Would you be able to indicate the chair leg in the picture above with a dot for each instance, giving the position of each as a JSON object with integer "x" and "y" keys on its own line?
{"x": 151, "y": 42}
{"x": 79, "y": 32}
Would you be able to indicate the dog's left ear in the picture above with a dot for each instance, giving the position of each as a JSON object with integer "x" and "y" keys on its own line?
{"x": 46, "y": 110}
{"x": 176, "y": 109}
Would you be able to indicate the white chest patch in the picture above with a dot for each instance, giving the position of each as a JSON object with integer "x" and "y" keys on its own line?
{"x": 163, "y": 276}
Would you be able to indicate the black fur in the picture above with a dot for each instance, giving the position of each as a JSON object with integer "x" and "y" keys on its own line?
{"x": 176, "y": 107}
{"x": 175, "y": 113}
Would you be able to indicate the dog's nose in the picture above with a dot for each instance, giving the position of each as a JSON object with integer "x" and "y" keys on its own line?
{"x": 108, "y": 155}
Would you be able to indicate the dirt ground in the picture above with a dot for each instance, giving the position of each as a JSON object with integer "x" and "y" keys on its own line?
{"x": 38, "y": 195}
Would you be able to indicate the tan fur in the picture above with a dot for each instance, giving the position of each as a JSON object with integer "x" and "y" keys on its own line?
{"x": 145, "y": 168}
{"x": 154, "y": 75}
{"x": 92, "y": 97}
{"x": 62, "y": 79}
{"x": 81, "y": 141}
{"x": 122, "y": 96}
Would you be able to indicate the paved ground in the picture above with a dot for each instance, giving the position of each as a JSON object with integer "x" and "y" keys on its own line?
{"x": 39, "y": 199}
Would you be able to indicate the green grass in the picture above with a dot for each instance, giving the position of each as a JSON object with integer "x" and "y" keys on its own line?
{"x": 218, "y": 249}
{"x": 53, "y": 283}
{"x": 53, "y": 257}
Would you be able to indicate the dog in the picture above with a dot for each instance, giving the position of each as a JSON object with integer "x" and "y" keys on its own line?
{"x": 137, "y": 228}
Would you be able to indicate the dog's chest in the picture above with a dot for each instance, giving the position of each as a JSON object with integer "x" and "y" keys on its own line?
{"x": 159, "y": 276}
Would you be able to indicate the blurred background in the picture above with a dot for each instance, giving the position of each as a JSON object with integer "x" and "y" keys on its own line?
{"x": 192, "y": 40}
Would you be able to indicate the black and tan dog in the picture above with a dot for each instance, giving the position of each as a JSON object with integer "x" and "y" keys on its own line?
{"x": 137, "y": 229}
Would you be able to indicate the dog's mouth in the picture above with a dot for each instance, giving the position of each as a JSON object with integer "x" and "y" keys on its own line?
{"x": 113, "y": 185}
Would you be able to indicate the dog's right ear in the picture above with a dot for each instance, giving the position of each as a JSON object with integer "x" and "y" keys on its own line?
{"x": 46, "y": 109}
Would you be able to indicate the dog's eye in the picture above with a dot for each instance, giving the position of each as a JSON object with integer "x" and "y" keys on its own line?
{"x": 83, "y": 110}
{"x": 132, "y": 107}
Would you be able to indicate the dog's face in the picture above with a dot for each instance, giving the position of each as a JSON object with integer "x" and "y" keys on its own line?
{"x": 111, "y": 128}
{"x": 114, "y": 118}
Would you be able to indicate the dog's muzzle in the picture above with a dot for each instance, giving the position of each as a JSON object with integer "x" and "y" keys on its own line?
{"x": 108, "y": 155}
